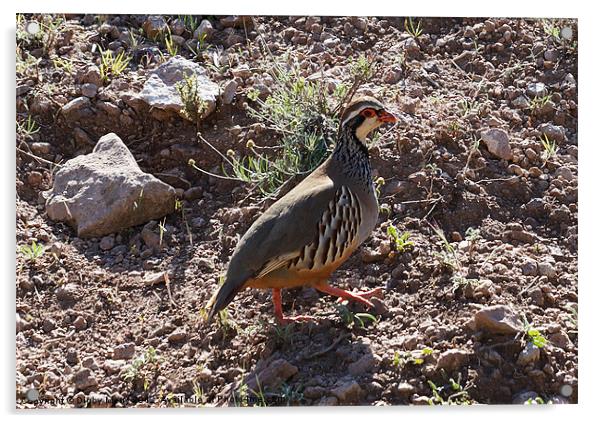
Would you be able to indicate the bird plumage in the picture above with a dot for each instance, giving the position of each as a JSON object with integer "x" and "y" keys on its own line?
{"x": 305, "y": 235}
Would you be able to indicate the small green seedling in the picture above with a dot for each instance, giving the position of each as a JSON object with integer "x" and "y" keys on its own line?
{"x": 415, "y": 30}
{"x": 32, "y": 252}
{"x": 550, "y": 149}
{"x": 402, "y": 242}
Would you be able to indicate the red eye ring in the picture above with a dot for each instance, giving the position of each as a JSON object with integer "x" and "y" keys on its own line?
{"x": 368, "y": 113}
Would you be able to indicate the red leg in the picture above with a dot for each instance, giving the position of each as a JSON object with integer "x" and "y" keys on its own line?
{"x": 362, "y": 297}
{"x": 277, "y": 298}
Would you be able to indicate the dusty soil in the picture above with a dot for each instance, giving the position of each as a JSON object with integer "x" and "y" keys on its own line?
{"x": 92, "y": 330}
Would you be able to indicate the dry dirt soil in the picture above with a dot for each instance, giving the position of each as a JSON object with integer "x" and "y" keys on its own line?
{"x": 98, "y": 326}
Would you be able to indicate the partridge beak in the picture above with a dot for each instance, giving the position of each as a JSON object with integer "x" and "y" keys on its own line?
{"x": 386, "y": 117}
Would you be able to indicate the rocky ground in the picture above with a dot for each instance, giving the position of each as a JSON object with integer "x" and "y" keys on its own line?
{"x": 480, "y": 302}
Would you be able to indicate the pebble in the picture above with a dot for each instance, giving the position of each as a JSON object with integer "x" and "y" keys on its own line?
{"x": 277, "y": 372}
{"x": 453, "y": 359}
{"x": 546, "y": 269}
{"x": 529, "y": 355}
{"x": 40, "y": 148}
{"x": 497, "y": 319}
{"x": 523, "y": 397}
{"x": 497, "y": 142}
{"x": 80, "y": 323}
{"x": 537, "y": 89}
{"x": 177, "y": 337}
{"x": 363, "y": 365}
{"x": 113, "y": 366}
{"x": 529, "y": 268}
{"x": 89, "y": 90}
{"x": 107, "y": 243}
{"x": 67, "y": 293}
{"x": 124, "y": 351}
{"x": 84, "y": 379}
{"x": 347, "y": 392}
{"x": 560, "y": 339}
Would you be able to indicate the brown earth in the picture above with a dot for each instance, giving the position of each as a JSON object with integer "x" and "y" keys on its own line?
{"x": 86, "y": 314}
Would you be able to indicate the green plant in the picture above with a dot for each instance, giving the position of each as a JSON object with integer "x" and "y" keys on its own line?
{"x": 412, "y": 29}
{"x": 378, "y": 184}
{"x": 461, "y": 282}
{"x": 468, "y": 106}
{"x": 402, "y": 242}
{"x": 472, "y": 235}
{"x": 162, "y": 231}
{"x": 190, "y": 22}
{"x": 112, "y": 66}
{"x": 27, "y": 127}
{"x": 65, "y": 64}
{"x": 456, "y": 394}
{"x": 538, "y": 102}
{"x": 194, "y": 106}
{"x": 412, "y": 357}
{"x": 171, "y": 46}
{"x": 141, "y": 368}
{"x": 290, "y": 395}
{"x": 350, "y": 318}
{"x": 550, "y": 28}
{"x": 199, "y": 394}
{"x": 550, "y": 149}
{"x": 198, "y": 48}
{"x": 32, "y": 252}
{"x": 533, "y": 335}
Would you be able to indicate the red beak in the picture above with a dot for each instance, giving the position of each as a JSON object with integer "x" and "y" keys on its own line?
{"x": 386, "y": 117}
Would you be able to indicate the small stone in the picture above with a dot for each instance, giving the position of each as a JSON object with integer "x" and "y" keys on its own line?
{"x": 553, "y": 132}
{"x": 154, "y": 26}
{"x": 546, "y": 269}
{"x": 565, "y": 172}
{"x": 124, "y": 351}
{"x": 112, "y": 367}
{"x": 99, "y": 400}
{"x": 80, "y": 323}
{"x": 524, "y": 397}
{"x": 35, "y": 178}
{"x": 177, "y": 337}
{"x": 229, "y": 92}
{"x": 537, "y": 89}
{"x": 204, "y": 31}
{"x": 347, "y": 392}
{"x": 273, "y": 375}
{"x": 313, "y": 392}
{"x": 393, "y": 76}
{"x": 405, "y": 389}
{"x": 40, "y": 148}
{"x": 89, "y": 90}
{"x": 85, "y": 380}
{"x": 561, "y": 340}
{"x": 529, "y": 268}
{"x": 107, "y": 242}
{"x": 76, "y": 108}
{"x": 328, "y": 401}
{"x": 193, "y": 193}
{"x": 536, "y": 296}
{"x": 330, "y": 43}
{"x": 57, "y": 249}
{"x": 497, "y": 142}
{"x": 151, "y": 239}
{"x": 67, "y": 293}
{"x": 72, "y": 356}
{"x": 497, "y": 319}
{"x": 363, "y": 365}
{"x": 453, "y": 359}
{"x": 530, "y": 354}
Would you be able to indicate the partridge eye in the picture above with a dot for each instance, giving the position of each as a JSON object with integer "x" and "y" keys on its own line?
{"x": 368, "y": 113}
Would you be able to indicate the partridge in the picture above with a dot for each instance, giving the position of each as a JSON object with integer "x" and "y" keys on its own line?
{"x": 308, "y": 233}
